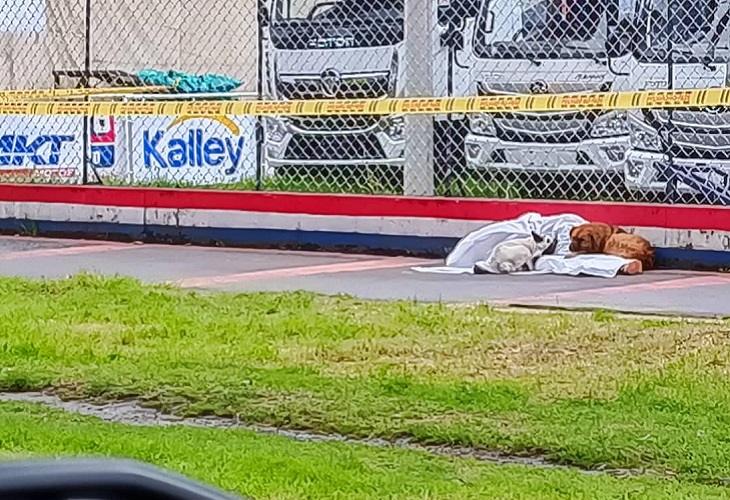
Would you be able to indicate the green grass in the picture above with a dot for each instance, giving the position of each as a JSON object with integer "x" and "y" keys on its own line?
{"x": 582, "y": 389}
{"x": 377, "y": 180}
{"x": 381, "y": 180}
{"x": 272, "y": 467}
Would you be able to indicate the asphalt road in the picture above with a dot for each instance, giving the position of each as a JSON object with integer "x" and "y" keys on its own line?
{"x": 373, "y": 277}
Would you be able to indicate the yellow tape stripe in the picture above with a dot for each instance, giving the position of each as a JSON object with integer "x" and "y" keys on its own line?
{"x": 51, "y": 93}
{"x": 493, "y": 104}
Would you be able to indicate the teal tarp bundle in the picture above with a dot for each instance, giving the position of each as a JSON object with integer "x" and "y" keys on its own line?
{"x": 189, "y": 83}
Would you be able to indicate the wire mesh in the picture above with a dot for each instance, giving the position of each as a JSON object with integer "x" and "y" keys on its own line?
{"x": 375, "y": 49}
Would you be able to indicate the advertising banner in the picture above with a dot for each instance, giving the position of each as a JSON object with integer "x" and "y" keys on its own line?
{"x": 193, "y": 150}
{"x": 41, "y": 147}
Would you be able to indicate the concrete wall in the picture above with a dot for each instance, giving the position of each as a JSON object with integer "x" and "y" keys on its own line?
{"x": 685, "y": 236}
{"x": 201, "y": 36}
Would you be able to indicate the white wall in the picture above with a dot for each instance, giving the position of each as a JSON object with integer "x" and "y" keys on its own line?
{"x": 200, "y": 36}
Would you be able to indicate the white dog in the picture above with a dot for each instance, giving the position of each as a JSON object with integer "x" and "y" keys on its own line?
{"x": 515, "y": 255}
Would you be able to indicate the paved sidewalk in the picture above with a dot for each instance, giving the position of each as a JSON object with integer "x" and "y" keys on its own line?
{"x": 374, "y": 277}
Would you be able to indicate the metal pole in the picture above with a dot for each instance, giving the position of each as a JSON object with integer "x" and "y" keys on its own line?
{"x": 672, "y": 179}
{"x": 418, "y": 175}
{"x": 260, "y": 74}
{"x": 85, "y": 83}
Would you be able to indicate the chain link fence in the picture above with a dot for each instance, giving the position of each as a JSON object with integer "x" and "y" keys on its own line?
{"x": 374, "y": 49}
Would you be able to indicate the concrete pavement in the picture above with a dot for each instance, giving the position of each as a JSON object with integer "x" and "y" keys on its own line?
{"x": 373, "y": 277}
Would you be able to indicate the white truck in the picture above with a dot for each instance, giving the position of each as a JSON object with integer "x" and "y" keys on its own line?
{"x": 318, "y": 49}
{"x": 347, "y": 49}
{"x": 548, "y": 46}
{"x": 680, "y": 44}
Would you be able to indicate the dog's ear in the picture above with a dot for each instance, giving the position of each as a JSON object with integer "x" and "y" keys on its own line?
{"x": 550, "y": 250}
{"x": 536, "y": 237}
{"x": 595, "y": 242}
{"x": 576, "y": 229}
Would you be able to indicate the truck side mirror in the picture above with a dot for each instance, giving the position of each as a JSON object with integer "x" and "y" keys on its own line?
{"x": 457, "y": 12}
{"x": 444, "y": 15}
{"x": 489, "y": 22}
{"x": 619, "y": 40}
{"x": 264, "y": 17}
{"x": 465, "y": 9}
{"x": 453, "y": 39}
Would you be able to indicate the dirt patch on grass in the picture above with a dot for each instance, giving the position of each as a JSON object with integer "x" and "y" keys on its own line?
{"x": 560, "y": 355}
{"x": 131, "y": 412}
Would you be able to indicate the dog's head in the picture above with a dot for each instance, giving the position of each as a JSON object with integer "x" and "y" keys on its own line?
{"x": 544, "y": 244}
{"x": 591, "y": 238}
{"x": 551, "y": 248}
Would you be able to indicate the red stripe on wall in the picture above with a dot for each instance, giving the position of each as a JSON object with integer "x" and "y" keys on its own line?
{"x": 625, "y": 214}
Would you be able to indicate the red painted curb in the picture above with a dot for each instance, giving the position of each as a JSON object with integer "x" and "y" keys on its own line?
{"x": 625, "y": 214}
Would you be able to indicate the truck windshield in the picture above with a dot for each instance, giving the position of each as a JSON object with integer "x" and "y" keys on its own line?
{"x": 339, "y": 10}
{"x": 555, "y": 29}
{"x": 687, "y": 30}
{"x": 332, "y": 24}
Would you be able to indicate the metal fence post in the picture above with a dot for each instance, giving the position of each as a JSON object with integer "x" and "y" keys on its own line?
{"x": 86, "y": 83}
{"x": 418, "y": 175}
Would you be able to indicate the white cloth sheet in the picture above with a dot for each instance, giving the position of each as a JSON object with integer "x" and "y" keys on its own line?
{"x": 478, "y": 245}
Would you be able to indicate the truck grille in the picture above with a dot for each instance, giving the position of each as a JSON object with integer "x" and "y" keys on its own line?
{"x": 694, "y": 152}
{"x": 361, "y": 87}
{"x": 693, "y": 120}
{"x": 700, "y": 144}
{"x": 365, "y": 87}
{"x": 335, "y": 123}
{"x": 329, "y": 147}
{"x": 544, "y": 128}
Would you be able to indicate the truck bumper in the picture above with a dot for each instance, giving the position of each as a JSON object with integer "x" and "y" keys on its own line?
{"x": 596, "y": 155}
{"x": 294, "y": 147}
{"x": 643, "y": 170}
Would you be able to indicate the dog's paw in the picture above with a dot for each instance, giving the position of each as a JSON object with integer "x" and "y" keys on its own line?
{"x": 480, "y": 270}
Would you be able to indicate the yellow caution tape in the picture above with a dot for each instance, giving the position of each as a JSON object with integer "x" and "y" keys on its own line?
{"x": 409, "y": 106}
{"x": 56, "y": 93}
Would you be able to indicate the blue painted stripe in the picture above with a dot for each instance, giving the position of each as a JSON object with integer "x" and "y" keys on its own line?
{"x": 687, "y": 258}
{"x": 677, "y": 258}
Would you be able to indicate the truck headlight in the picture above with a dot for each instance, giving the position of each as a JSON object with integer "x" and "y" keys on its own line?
{"x": 610, "y": 124}
{"x": 645, "y": 138}
{"x": 393, "y": 76}
{"x": 275, "y": 130}
{"x": 482, "y": 124}
{"x": 394, "y": 126}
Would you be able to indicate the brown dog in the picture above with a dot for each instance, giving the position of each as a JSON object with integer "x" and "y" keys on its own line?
{"x": 598, "y": 237}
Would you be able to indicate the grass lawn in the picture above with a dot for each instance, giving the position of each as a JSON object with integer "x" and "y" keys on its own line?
{"x": 270, "y": 467}
{"x": 589, "y": 390}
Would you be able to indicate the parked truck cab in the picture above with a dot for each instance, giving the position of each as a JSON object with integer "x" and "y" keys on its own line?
{"x": 333, "y": 49}
{"x": 680, "y": 44}
{"x": 541, "y": 47}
